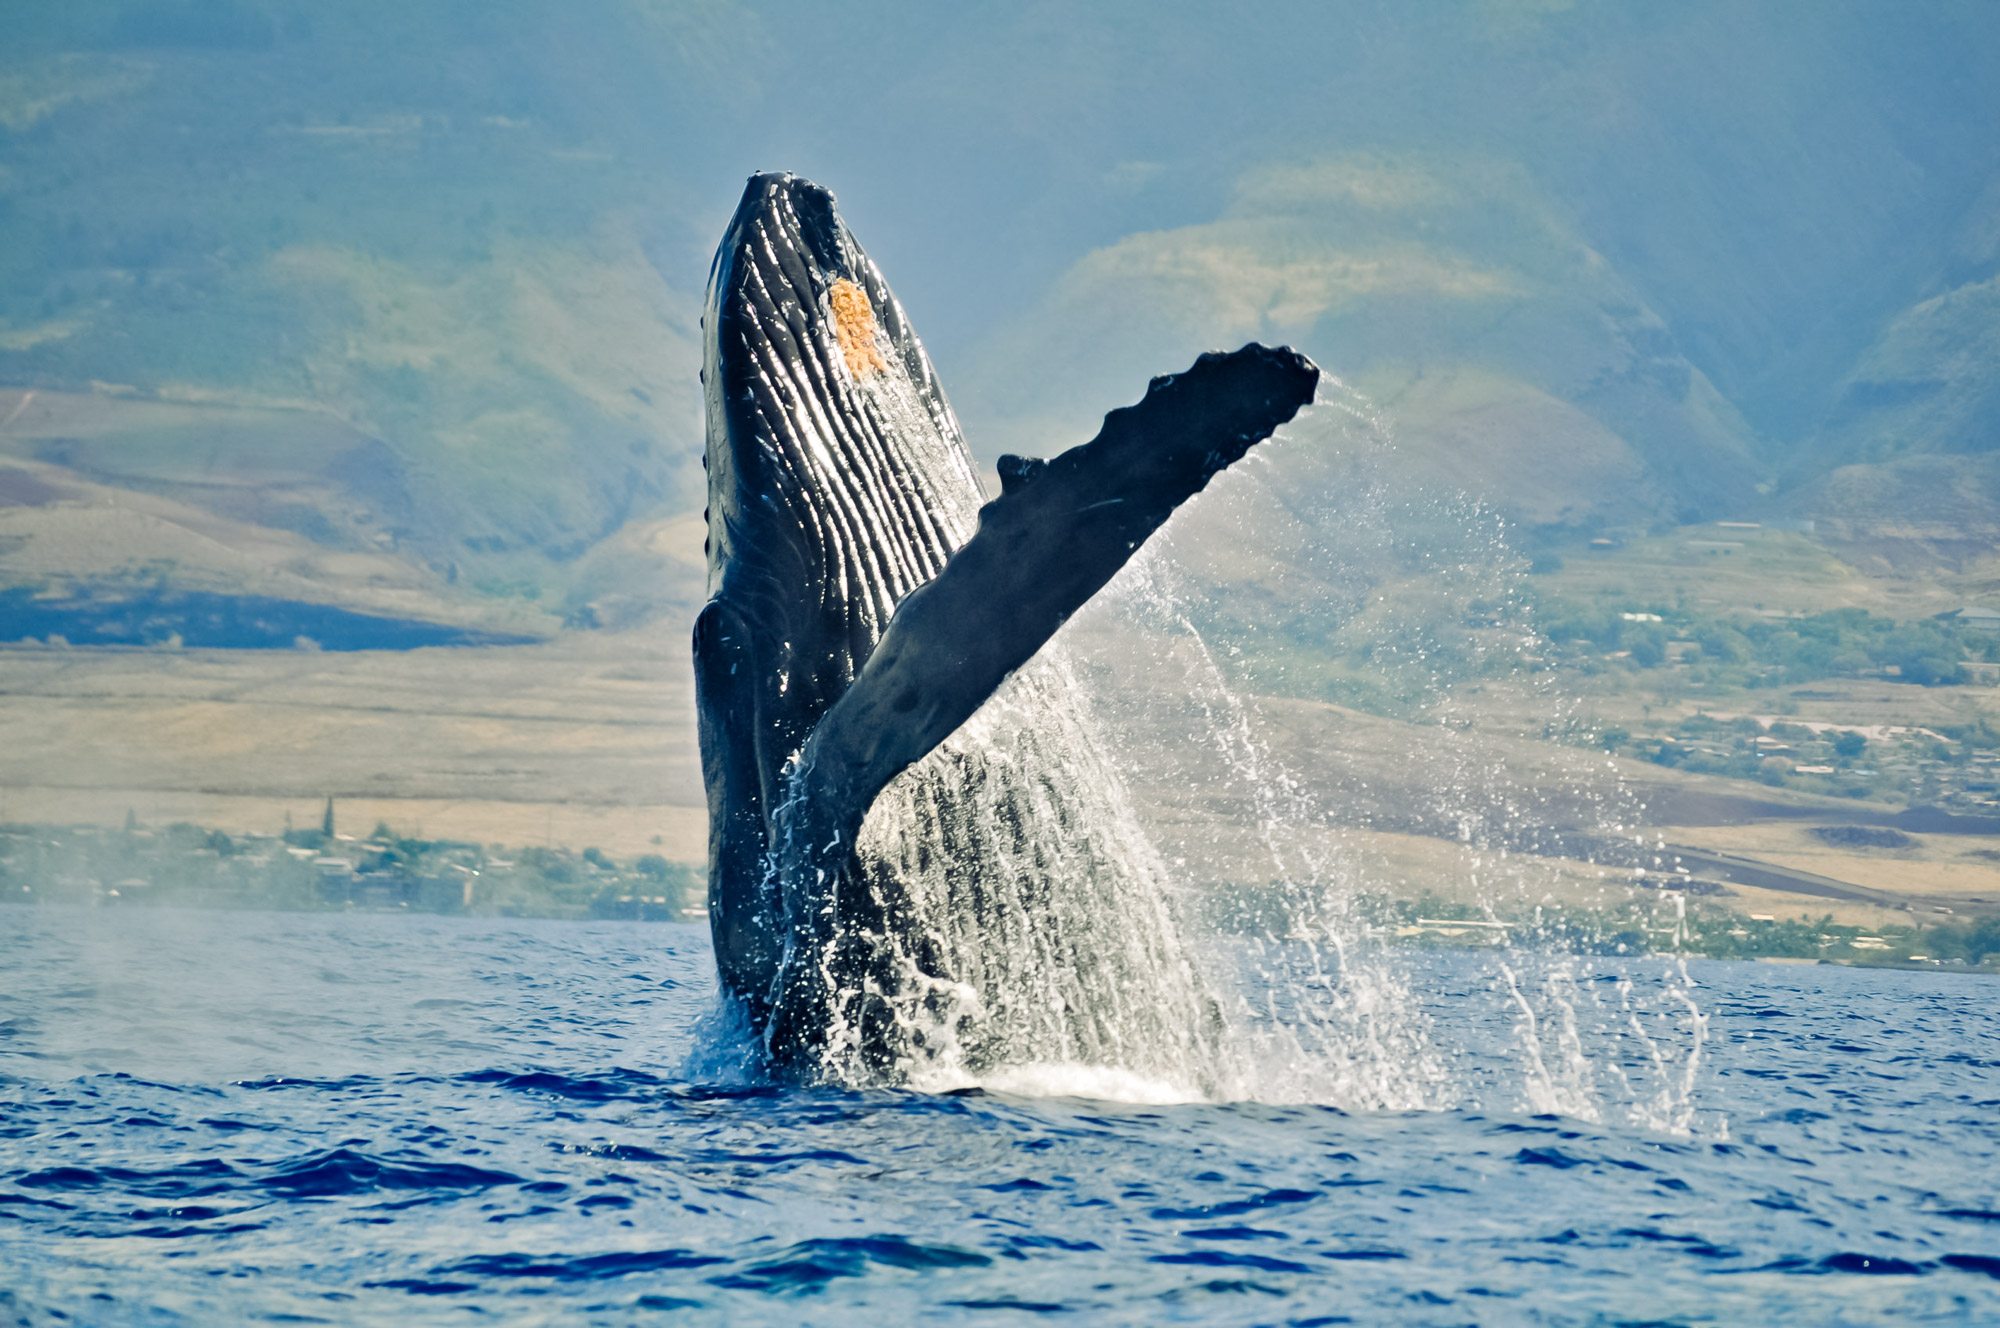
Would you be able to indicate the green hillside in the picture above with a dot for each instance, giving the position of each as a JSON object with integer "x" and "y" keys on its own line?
{"x": 1505, "y": 351}
{"x": 383, "y": 278}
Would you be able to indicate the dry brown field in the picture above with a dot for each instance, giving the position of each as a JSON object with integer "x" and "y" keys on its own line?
{"x": 588, "y": 740}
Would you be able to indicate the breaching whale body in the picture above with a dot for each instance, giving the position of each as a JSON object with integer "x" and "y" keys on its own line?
{"x": 914, "y": 868}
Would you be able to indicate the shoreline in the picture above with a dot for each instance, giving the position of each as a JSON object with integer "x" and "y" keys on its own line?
{"x": 696, "y": 917}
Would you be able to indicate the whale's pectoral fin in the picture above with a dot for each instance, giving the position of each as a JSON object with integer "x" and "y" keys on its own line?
{"x": 741, "y": 913}
{"x": 1055, "y": 535}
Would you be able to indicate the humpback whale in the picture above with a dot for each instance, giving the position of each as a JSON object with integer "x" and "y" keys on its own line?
{"x": 917, "y": 851}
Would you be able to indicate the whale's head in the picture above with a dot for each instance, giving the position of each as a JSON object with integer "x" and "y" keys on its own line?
{"x": 837, "y": 478}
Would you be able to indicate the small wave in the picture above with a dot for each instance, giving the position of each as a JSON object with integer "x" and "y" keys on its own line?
{"x": 612, "y": 1152}
{"x": 423, "y": 1286}
{"x": 1093, "y": 1083}
{"x": 580, "y": 1267}
{"x": 811, "y": 1264}
{"x": 1236, "y": 1207}
{"x": 291, "y": 1083}
{"x": 23, "y": 1201}
{"x": 608, "y": 1086}
{"x": 1874, "y": 1265}
{"x": 1019, "y": 1185}
{"x": 184, "y": 1181}
{"x": 1234, "y": 1233}
{"x": 1263, "y": 1263}
{"x": 169, "y": 1231}
{"x": 341, "y": 1171}
{"x": 1548, "y": 1157}
{"x": 1694, "y": 1245}
{"x": 782, "y": 1158}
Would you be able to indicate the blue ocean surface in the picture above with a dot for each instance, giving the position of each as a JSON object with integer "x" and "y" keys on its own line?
{"x": 211, "y": 1118}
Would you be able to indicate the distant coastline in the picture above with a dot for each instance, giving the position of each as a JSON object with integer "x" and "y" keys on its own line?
{"x": 321, "y": 870}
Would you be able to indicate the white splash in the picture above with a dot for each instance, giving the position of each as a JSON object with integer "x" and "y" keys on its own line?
{"x": 1043, "y": 946}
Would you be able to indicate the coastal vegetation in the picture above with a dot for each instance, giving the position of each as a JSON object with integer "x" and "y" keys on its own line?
{"x": 1659, "y": 922}
{"x": 316, "y": 869}
{"x": 1713, "y": 650}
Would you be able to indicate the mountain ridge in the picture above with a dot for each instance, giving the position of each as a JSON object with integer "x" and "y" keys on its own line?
{"x": 1609, "y": 267}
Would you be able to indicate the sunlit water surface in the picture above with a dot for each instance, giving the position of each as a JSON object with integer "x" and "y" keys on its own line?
{"x": 218, "y": 1118}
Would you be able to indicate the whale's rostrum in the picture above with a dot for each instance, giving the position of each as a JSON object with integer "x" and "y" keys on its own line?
{"x": 906, "y": 875}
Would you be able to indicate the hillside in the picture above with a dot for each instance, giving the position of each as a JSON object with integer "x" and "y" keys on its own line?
{"x": 407, "y": 296}
{"x": 279, "y": 264}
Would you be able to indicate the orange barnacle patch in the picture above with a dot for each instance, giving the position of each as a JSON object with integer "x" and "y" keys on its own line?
{"x": 854, "y": 325}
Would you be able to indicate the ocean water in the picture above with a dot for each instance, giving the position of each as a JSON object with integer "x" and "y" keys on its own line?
{"x": 215, "y": 1118}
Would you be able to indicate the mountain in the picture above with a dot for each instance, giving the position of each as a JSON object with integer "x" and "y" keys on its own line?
{"x": 420, "y": 284}
{"x": 406, "y": 233}
{"x": 1503, "y": 349}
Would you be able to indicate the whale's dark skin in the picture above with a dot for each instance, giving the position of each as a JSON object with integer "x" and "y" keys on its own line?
{"x": 830, "y": 499}
{"x": 863, "y": 605}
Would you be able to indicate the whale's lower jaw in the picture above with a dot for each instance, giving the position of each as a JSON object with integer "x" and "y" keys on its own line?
{"x": 857, "y": 622}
